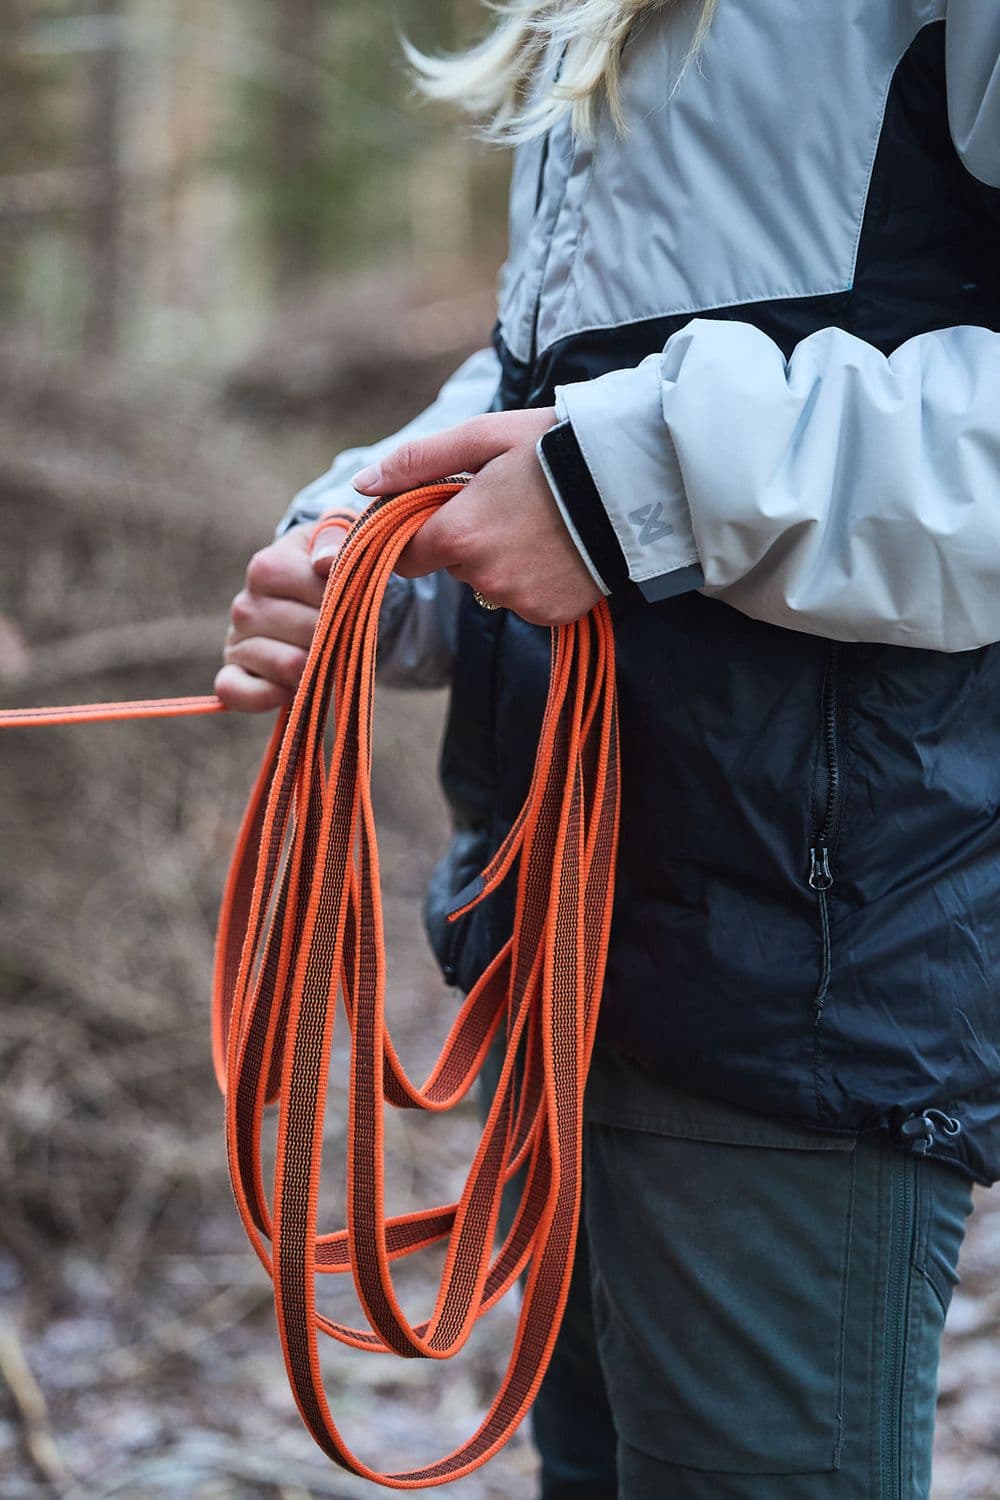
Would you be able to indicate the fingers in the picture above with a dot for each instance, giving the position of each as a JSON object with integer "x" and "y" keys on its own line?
{"x": 272, "y": 621}
{"x": 274, "y": 661}
{"x": 279, "y": 619}
{"x": 329, "y": 537}
{"x": 466, "y": 447}
{"x": 326, "y": 552}
{"x": 443, "y": 541}
{"x": 499, "y": 450}
{"x": 283, "y": 571}
{"x": 244, "y": 693}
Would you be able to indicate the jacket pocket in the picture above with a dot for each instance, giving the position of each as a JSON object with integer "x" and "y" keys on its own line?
{"x": 466, "y": 856}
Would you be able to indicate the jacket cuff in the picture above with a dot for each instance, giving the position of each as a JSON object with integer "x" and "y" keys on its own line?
{"x": 635, "y": 483}
{"x": 580, "y": 506}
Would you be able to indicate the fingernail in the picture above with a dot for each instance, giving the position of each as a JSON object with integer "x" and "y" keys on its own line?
{"x": 368, "y": 479}
{"x": 324, "y": 549}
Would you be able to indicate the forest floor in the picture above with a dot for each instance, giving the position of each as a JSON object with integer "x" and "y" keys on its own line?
{"x": 138, "y": 1357}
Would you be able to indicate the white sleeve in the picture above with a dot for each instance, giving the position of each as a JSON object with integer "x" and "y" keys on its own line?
{"x": 839, "y": 492}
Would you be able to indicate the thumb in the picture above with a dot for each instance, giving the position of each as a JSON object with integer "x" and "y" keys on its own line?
{"x": 324, "y": 558}
{"x": 457, "y": 450}
{"x": 327, "y": 539}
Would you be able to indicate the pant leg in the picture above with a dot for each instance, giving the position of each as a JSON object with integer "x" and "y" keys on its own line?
{"x": 769, "y": 1316}
{"x": 570, "y": 1418}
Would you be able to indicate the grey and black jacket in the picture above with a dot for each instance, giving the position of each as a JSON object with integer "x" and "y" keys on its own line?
{"x": 769, "y": 318}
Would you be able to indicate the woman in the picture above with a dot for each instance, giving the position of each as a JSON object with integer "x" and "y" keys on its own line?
{"x": 746, "y": 382}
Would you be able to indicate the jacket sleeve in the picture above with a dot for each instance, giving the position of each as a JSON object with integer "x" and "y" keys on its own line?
{"x": 839, "y": 492}
{"x": 417, "y": 627}
{"x": 972, "y": 44}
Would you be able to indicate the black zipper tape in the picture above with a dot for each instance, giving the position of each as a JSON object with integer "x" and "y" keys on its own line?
{"x": 826, "y": 814}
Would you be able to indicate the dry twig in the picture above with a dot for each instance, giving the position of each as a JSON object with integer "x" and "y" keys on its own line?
{"x": 32, "y": 1409}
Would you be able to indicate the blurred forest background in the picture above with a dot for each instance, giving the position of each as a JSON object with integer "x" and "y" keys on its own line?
{"x": 230, "y": 242}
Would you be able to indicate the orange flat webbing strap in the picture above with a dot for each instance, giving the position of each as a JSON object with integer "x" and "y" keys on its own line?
{"x": 106, "y": 713}
{"x": 314, "y": 926}
{"x": 301, "y": 922}
{"x": 188, "y": 707}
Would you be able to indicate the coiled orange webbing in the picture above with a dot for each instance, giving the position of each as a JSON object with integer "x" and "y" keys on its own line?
{"x": 301, "y": 920}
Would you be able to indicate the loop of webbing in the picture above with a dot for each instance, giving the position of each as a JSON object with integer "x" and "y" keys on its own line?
{"x": 301, "y": 922}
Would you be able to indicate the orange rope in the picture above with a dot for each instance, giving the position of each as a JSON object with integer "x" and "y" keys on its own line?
{"x": 301, "y": 921}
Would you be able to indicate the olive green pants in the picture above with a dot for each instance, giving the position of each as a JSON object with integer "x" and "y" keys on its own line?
{"x": 767, "y": 1303}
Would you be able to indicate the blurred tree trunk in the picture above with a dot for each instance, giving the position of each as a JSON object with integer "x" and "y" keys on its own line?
{"x": 24, "y": 128}
{"x": 295, "y": 143}
{"x": 10, "y": 97}
{"x": 106, "y": 221}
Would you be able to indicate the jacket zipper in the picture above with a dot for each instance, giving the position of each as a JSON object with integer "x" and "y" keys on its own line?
{"x": 536, "y": 310}
{"x": 826, "y": 814}
{"x": 543, "y": 164}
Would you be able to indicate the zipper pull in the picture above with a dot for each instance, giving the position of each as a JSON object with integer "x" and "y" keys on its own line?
{"x": 820, "y": 874}
{"x": 919, "y": 1131}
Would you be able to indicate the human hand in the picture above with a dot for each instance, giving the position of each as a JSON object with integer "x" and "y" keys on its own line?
{"x": 503, "y": 534}
{"x": 272, "y": 620}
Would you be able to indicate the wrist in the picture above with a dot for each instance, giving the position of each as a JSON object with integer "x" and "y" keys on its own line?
{"x": 580, "y": 505}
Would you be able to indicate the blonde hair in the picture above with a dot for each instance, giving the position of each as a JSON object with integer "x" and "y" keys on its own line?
{"x": 492, "y": 80}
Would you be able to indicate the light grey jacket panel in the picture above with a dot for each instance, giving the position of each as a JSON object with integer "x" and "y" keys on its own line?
{"x": 418, "y": 621}
{"x": 973, "y": 50}
{"x": 743, "y": 179}
{"x": 843, "y": 493}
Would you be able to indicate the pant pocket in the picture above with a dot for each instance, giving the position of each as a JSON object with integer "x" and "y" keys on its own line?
{"x": 720, "y": 1280}
{"x": 719, "y": 1275}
